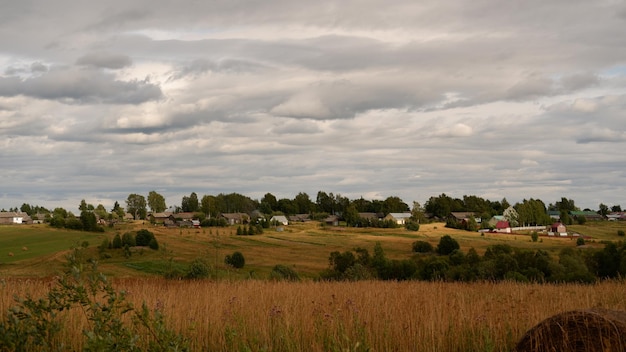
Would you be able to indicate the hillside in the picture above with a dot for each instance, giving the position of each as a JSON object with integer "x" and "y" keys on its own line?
{"x": 38, "y": 250}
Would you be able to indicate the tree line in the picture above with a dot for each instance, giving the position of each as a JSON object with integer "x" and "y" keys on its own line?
{"x": 527, "y": 212}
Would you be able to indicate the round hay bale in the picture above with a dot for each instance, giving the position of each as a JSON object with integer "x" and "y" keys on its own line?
{"x": 579, "y": 330}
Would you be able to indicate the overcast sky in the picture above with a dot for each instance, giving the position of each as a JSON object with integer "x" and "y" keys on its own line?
{"x": 516, "y": 99}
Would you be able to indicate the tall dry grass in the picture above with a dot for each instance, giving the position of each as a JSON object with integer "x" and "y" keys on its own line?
{"x": 381, "y": 316}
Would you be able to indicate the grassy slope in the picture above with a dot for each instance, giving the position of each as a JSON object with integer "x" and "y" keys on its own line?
{"x": 305, "y": 246}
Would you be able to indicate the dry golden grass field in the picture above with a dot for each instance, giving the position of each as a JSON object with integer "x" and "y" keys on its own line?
{"x": 253, "y": 315}
{"x": 241, "y": 311}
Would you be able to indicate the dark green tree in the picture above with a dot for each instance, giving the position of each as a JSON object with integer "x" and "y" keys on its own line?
{"x": 89, "y": 222}
{"x": 303, "y": 203}
{"x": 190, "y": 204}
{"x": 236, "y": 260}
{"x": 447, "y": 245}
{"x": 351, "y": 215}
{"x": 603, "y": 209}
{"x": 422, "y": 247}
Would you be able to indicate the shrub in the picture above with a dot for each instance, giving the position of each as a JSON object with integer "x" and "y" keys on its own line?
{"x": 117, "y": 242}
{"x": 73, "y": 224}
{"x": 283, "y": 273}
{"x": 198, "y": 269}
{"x": 580, "y": 241}
{"x": 153, "y": 244}
{"x": 104, "y": 245}
{"x": 128, "y": 240}
{"x": 143, "y": 237}
{"x": 422, "y": 247}
{"x": 534, "y": 236}
{"x": 447, "y": 245}
{"x": 412, "y": 226}
{"x": 621, "y": 233}
{"x": 236, "y": 260}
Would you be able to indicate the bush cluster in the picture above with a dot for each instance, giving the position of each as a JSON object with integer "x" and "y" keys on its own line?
{"x": 86, "y": 222}
{"x": 499, "y": 262}
{"x": 250, "y": 230}
{"x": 141, "y": 238}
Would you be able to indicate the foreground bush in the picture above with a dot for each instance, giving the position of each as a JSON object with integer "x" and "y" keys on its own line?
{"x": 34, "y": 324}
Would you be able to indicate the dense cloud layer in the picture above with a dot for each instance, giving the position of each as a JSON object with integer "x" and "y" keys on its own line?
{"x": 498, "y": 99}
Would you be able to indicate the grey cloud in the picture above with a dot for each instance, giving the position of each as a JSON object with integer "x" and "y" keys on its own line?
{"x": 579, "y": 81}
{"x": 105, "y": 60}
{"x": 81, "y": 86}
{"x": 296, "y": 127}
{"x": 531, "y": 88}
{"x": 38, "y": 67}
{"x": 344, "y": 99}
{"x": 602, "y": 135}
{"x": 200, "y": 66}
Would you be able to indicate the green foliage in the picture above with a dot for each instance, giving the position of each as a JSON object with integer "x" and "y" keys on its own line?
{"x": 156, "y": 202}
{"x": 89, "y": 222}
{"x": 236, "y": 260}
{"x": 143, "y": 238}
{"x": 532, "y": 212}
{"x": 117, "y": 241}
{"x": 198, "y": 269}
{"x": 153, "y": 244}
{"x": 128, "y": 240}
{"x": 106, "y": 244}
{"x": 580, "y": 241}
{"x": 621, "y": 233}
{"x": 136, "y": 205}
{"x": 412, "y": 225}
{"x": 284, "y": 273}
{"x": 34, "y": 324}
{"x": 534, "y": 236}
{"x": 447, "y": 245}
{"x": 73, "y": 223}
{"x": 581, "y": 220}
{"x": 422, "y": 247}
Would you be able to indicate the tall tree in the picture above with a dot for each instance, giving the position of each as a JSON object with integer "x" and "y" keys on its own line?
{"x": 190, "y": 204}
{"x": 83, "y": 206}
{"x": 136, "y": 205}
{"x": 303, "y": 203}
{"x": 564, "y": 204}
{"x": 351, "y": 215}
{"x": 156, "y": 202}
{"x": 325, "y": 202}
{"x": 268, "y": 204}
{"x": 208, "y": 206}
{"x": 603, "y": 209}
{"x": 394, "y": 204}
{"x": 532, "y": 212}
